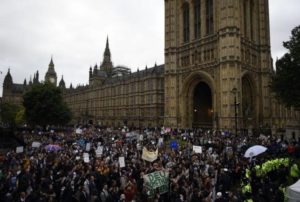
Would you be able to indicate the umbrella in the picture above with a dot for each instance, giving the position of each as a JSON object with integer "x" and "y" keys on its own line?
{"x": 255, "y": 151}
{"x": 53, "y": 147}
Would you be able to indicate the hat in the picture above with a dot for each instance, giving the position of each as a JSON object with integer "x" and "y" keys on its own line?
{"x": 219, "y": 194}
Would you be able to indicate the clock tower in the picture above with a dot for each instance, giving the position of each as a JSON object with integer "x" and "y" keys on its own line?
{"x": 51, "y": 74}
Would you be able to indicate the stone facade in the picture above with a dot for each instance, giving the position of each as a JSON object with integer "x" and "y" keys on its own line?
{"x": 216, "y": 75}
{"x": 224, "y": 44}
{"x": 115, "y": 96}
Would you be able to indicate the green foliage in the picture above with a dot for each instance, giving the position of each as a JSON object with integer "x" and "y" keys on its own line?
{"x": 286, "y": 80}
{"x": 20, "y": 116}
{"x": 9, "y": 112}
{"x": 44, "y": 106}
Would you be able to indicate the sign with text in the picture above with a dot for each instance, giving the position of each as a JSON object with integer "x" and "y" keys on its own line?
{"x": 149, "y": 155}
{"x": 197, "y": 149}
{"x": 157, "y": 182}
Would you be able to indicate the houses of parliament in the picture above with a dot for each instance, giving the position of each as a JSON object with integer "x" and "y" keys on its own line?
{"x": 216, "y": 75}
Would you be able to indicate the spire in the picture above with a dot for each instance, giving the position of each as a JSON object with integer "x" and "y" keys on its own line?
{"x": 62, "y": 83}
{"x": 107, "y": 51}
{"x": 106, "y": 64}
{"x": 25, "y": 82}
{"x": 37, "y": 76}
{"x": 51, "y": 62}
{"x": 7, "y": 80}
{"x": 30, "y": 81}
{"x": 91, "y": 72}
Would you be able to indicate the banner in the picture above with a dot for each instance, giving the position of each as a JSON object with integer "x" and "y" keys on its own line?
{"x": 197, "y": 149}
{"x": 157, "y": 182}
{"x": 149, "y": 155}
{"x": 122, "y": 162}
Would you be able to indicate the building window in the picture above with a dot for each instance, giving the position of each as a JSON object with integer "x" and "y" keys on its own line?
{"x": 197, "y": 18}
{"x": 150, "y": 84}
{"x": 245, "y": 17}
{"x": 186, "y": 22}
{"x": 251, "y": 19}
{"x": 209, "y": 16}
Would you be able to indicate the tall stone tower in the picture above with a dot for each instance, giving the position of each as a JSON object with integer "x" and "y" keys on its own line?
{"x": 51, "y": 74}
{"x": 217, "y": 63}
{"x": 107, "y": 65}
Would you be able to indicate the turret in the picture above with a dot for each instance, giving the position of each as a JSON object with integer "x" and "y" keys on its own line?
{"x": 30, "y": 81}
{"x": 8, "y": 82}
{"x": 91, "y": 73}
{"x": 62, "y": 84}
{"x": 106, "y": 64}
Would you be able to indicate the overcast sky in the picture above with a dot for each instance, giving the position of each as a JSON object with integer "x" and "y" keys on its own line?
{"x": 75, "y": 31}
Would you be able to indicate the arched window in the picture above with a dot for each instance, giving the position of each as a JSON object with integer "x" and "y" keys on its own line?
{"x": 209, "y": 16}
{"x": 197, "y": 18}
{"x": 186, "y": 22}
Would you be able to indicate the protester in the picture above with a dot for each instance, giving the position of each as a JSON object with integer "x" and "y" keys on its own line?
{"x": 159, "y": 165}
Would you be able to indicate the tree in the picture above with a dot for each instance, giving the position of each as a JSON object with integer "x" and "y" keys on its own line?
{"x": 44, "y": 106}
{"x": 286, "y": 80}
{"x": 9, "y": 112}
{"x": 20, "y": 116}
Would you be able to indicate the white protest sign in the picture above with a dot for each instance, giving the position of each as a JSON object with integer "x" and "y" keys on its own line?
{"x": 197, "y": 149}
{"x": 78, "y": 131}
{"x": 160, "y": 141}
{"x": 86, "y": 157}
{"x": 122, "y": 162}
{"x": 20, "y": 149}
{"x": 99, "y": 151}
{"x": 35, "y": 144}
{"x": 88, "y": 146}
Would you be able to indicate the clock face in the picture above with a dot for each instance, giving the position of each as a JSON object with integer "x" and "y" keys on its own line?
{"x": 52, "y": 80}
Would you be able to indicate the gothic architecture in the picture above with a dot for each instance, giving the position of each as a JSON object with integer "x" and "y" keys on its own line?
{"x": 218, "y": 61}
{"x": 216, "y": 75}
{"x": 115, "y": 96}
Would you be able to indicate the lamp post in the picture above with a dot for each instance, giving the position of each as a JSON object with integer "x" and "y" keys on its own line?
{"x": 234, "y": 91}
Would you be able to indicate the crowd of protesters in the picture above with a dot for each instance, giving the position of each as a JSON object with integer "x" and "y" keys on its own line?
{"x": 215, "y": 174}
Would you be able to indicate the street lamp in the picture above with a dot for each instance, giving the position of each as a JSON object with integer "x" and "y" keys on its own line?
{"x": 234, "y": 91}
